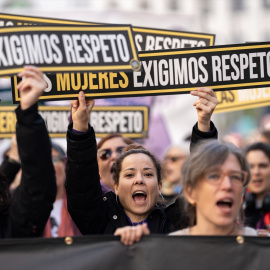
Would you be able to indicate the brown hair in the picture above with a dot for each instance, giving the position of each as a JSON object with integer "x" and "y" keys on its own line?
{"x": 111, "y": 136}
{"x": 134, "y": 149}
{"x": 204, "y": 156}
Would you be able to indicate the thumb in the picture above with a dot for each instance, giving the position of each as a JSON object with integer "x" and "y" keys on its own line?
{"x": 82, "y": 99}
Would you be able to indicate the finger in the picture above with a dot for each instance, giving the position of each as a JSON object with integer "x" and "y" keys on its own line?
{"x": 132, "y": 236}
{"x": 34, "y": 69}
{"x": 26, "y": 84}
{"x": 90, "y": 103}
{"x": 82, "y": 102}
{"x": 202, "y": 101}
{"x": 207, "y": 90}
{"x": 145, "y": 229}
{"x": 204, "y": 108}
{"x": 73, "y": 103}
{"x": 139, "y": 233}
{"x": 30, "y": 73}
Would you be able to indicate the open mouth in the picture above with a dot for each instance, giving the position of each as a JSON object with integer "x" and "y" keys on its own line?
{"x": 139, "y": 196}
{"x": 225, "y": 203}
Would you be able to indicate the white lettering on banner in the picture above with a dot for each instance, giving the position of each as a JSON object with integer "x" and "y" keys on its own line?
{"x": 171, "y": 72}
{"x": 117, "y": 121}
{"x": 163, "y": 43}
{"x": 56, "y": 121}
{"x": 242, "y": 66}
{"x": 85, "y": 48}
{"x": 43, "y": 48}
{"x": 253, "y": 94}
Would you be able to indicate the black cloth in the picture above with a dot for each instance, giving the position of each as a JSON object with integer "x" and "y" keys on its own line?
{"x": 97, "y": 214}
{"x": 32, "y": 202}
{"x": 10, "y": 168}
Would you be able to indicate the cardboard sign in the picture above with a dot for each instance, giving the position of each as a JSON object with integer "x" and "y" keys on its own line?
{"x": 170, "y": 72}
{"x": 130, "y": 121}
{"x": 68, "y": 48}
{"x": 236, "y": 100}
{"x": 146, "y": 39}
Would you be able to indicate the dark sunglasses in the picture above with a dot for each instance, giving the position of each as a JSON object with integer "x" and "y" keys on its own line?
{"x": 173, "y": 158}
{"x": 105, "y": 154}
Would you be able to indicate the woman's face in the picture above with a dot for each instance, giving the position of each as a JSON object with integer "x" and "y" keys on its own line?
{"x": 113, "y": 147}
{"x": 138, "y": 187}
{"x": 218, "y": 202}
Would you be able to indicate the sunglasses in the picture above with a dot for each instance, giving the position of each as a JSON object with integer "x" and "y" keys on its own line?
{"x": 105, "y": 154}
{"x": 173, "y": 158}
{"x": 57, "y": 159}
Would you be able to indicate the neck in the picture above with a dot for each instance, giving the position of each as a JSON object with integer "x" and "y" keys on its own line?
{"x": 135, "y": 218}
{"x": 211, "y": 229}
{"x": 108, "y": 181}
{"x": 60, "y": 193}
{"x": 260, "y": 196}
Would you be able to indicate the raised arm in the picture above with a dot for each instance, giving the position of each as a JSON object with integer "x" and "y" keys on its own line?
{"x": 84, "y": 197}
{"x": 33, "y": 199}
{"x": 205, "y": 106}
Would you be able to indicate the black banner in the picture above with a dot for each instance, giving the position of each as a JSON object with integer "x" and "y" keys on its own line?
{"x": 130, "y": 121}
{"x": 146, "y": 39}
{"x": 167, "y": 72}
{"x": 68, "y": 48}
{"x": 152, "y": 252}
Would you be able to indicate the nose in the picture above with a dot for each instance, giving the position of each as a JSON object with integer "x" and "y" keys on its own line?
{"x": 255, "y": 170}
{"x": 226, "y": 183}
{"x": 139, "y": 179}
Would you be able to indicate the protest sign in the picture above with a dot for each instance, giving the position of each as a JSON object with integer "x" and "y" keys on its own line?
{"x": 130, "y": 121}
{"x": 236, "y": 100}
{"x": 146, "y": 39}
{"x": 167, "y": 72}
{"x": 68, "y": 48}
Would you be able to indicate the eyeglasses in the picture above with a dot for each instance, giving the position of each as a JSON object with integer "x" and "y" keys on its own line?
{"x": 57, "y": 159}
{"x": 237, "y": 178}
{"x": 105, "y": 154}
{"x": 173, "y": 158}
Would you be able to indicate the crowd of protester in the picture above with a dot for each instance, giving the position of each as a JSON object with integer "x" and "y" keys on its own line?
{"x": 218, "y": 187}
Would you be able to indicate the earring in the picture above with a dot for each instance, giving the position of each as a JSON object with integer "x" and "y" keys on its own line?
{"x": 193, "y": 204}
{"x": 161, "y": 196}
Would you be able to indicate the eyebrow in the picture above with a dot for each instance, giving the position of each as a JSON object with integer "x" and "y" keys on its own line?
{"x": 133, "y": 169}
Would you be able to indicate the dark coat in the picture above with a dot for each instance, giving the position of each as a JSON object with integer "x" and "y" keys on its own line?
{"x": 31, "y": 204}
{"x": 94, "y": 213}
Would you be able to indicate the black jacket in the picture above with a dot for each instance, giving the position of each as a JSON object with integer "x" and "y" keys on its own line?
{"x": 32, "y": 202}
{"x": 97, "y": 214}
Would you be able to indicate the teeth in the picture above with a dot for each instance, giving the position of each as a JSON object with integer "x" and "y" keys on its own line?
{"x": 227, "y": 200}
{"x": 138, "y": 192}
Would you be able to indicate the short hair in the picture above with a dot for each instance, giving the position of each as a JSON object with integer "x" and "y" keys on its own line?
{"x": 111, "y": 136}
{"x": 204, "y": 156}
{"x": 117, "y": 166}
{"x": 259, "y": 146}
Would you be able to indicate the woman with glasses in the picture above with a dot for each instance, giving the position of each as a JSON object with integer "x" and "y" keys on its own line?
{"x": 137, "y": 177}
{"x": 214, "y": 177}
{"x": 109, "y": 149}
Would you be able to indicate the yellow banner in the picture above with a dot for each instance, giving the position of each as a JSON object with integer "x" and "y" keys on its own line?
{"x": 236, "y": 100}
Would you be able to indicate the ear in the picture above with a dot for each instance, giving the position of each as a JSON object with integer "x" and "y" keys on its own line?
{"x": 115, "y": 188}
{"x": 190, "y": 196}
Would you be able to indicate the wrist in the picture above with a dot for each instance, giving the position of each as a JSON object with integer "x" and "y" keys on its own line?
{"x": 80, "y": 127}
{"x": 204, "y": 127}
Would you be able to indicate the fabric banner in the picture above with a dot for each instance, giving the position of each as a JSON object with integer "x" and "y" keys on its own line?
{"x": 130, "y": 121}
{"x": 68, "y": 48}
{"x": 146, "y": 39}
{"x": 152, "y": 252}
{"x": 236, "y": 100}
{"x": 167, "y": 72}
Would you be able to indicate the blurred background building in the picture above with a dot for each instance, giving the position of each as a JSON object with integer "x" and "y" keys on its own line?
{"x": 232, "y": 21}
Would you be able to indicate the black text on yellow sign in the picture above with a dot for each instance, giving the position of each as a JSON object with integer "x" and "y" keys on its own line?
{"x": 68, "y": 48}
{"x": 236, "y": 100}
{"x": 130, "y": 121}
{"x": 146, "y": 39}
{"x": 169, "y": 72}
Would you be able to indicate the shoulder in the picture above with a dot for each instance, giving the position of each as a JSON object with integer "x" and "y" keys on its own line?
{"x": 180, "y": 232}
{"x": 248, "y": 231}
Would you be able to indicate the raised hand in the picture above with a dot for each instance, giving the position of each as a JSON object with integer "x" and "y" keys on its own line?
{"x": 130, "y": 235}
{"x": 205, "y": 106}
{"x": 80, "y": 111}
{"x": 31, "y": 87}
